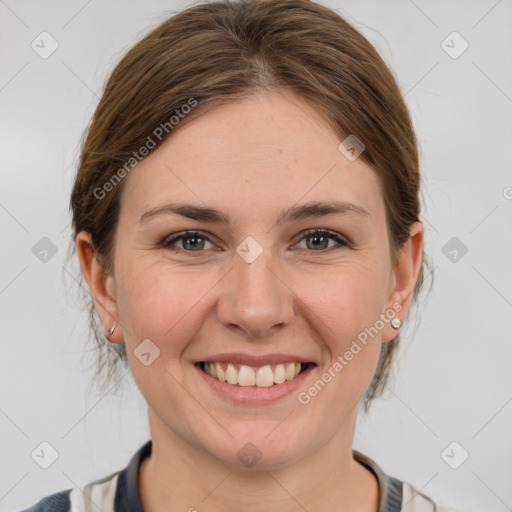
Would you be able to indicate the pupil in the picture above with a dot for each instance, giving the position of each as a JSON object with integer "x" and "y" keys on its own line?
{"x": 322, "y": 239}
{"x": 195, "y": 238}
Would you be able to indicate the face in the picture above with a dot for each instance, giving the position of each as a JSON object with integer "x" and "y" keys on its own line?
{"x": 254, "y": 289}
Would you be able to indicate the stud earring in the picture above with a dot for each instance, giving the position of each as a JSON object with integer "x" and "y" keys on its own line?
{"x": 396, "y": 323}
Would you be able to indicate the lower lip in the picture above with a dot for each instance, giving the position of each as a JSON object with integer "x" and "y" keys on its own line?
{"x": 254, "y": 394}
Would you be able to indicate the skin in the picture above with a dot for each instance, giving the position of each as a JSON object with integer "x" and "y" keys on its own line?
{"x": 252, "y": 158}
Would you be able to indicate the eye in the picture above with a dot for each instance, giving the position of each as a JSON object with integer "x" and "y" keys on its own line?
{"x": 320, "y": 240}
{"x": 191, "y": 241}
{"x": 194, "y": 241}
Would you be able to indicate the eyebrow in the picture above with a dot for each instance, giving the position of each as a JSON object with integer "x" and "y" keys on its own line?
{"x": 309, "y": 210}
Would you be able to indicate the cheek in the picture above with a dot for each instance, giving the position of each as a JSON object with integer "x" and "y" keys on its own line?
{"x": 162, "y": 304}
{"x": 346, "y": 301}
{"x": 345, "y": 310}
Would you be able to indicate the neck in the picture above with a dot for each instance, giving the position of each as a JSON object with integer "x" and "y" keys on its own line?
{"x": 179, "y": 475}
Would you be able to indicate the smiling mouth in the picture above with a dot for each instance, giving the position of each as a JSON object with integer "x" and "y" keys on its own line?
{"x": 247, "y": 376}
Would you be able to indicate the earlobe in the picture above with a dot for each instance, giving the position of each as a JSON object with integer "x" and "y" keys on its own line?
{"x": 100, "y": 283}
{"x": 404, "y": 279}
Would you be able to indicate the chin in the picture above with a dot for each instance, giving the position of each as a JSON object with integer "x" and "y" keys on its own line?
{"x": 260, "y": 447}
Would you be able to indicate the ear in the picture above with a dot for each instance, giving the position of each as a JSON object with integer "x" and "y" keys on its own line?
{"x": 403, "y": 279}
{"x": 100, "y": 283}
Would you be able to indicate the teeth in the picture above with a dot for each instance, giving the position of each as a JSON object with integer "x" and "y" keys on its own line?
{"x": 246, "y": 376}
{"x": 218, "y": 369}
{"x": 279, "y": 374}
{"x": 262, "y": 377}
{"x": 231, "y": 374}
{"x": 290, "y": 372}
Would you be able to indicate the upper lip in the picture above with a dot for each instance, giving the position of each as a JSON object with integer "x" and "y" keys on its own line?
{"x": 246, "y": 359}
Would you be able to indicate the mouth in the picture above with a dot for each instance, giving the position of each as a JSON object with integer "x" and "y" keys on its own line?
{"x": 265, "y": 376}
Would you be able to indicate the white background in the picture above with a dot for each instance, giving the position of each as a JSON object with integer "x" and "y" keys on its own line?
{"x": 453, "y": 378}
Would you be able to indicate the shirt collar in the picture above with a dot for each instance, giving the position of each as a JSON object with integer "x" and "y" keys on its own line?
{"x": 128, "y": 498}
{"x": 390, "y": 489}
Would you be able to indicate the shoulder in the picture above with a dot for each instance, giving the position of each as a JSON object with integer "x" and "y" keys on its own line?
{"x": 58, "y": 502}
{"x": 115, "y": 492}
{"x": 397, "y": 495}
{"x": 99, "y": 494}
{"x": 415, "y": 501}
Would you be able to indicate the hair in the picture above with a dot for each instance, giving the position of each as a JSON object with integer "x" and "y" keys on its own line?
{"x": 221, "y": 51}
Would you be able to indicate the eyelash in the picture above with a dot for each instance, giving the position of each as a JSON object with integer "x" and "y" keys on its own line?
{"x": 167, "y": 243}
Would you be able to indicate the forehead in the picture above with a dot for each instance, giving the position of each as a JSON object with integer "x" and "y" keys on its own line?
{"x": 258, "y": 154}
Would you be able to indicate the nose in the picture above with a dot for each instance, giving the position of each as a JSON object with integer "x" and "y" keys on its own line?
{"x": 255, "y": 298}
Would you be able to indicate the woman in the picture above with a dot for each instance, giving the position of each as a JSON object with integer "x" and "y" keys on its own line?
{"x": 246, "y": 216}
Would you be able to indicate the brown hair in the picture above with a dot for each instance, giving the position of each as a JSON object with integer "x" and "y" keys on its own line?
{"x": 219, "y": 51}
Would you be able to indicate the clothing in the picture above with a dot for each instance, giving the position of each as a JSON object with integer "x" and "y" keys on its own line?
{"x": 119, "y": 492}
